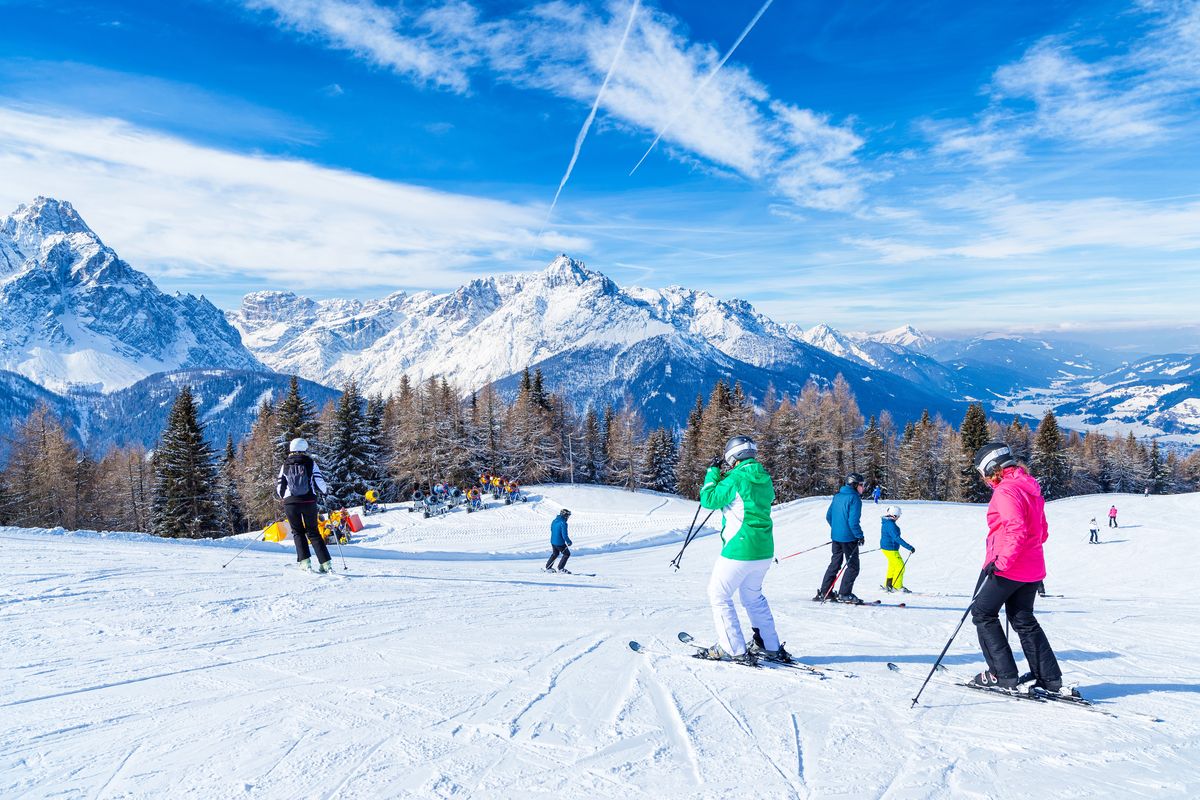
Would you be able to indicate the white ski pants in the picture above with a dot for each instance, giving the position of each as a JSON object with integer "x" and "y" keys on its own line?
{"x": 745, "y": 579}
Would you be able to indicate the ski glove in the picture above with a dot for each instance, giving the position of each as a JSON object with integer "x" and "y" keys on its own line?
{"x": 912, "y": 550}
{"x": 716, "y": 462}
{"x": 862, "y": 542}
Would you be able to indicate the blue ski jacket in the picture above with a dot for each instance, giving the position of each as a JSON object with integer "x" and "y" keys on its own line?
{"x": 558, "y": 532}
{"x": 844, "y": 515}
{"x": 889, "y": 536}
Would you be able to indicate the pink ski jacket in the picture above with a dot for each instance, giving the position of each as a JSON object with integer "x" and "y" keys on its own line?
{"x": 1017, "y": 527}
{"x": 1112, "y": 512}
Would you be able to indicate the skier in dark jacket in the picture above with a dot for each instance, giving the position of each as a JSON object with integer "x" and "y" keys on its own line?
{"x": 845, "y": 529}
{"x": 560, "y": 540}
{"x": 299, "y": 481}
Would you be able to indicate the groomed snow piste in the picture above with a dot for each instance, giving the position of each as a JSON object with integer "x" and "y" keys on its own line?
{"x": 445, "y": 663}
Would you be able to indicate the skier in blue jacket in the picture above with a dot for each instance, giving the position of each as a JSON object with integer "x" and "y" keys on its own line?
{"x": 560, "y": 540}
{"x": 845, "y": 529}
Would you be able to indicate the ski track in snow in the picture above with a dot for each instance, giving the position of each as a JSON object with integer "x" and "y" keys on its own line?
{"x": 134, "y": 667}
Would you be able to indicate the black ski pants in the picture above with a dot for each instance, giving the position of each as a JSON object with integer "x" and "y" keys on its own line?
{"x": 1016, "y": 599}
{"x": 559, "y": 549}
{"x": 303, "y": 519}
{"x": 1112, "y": 522}
{"x": 847, "y": 551}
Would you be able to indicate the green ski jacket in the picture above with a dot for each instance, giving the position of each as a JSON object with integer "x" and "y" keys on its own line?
{"x": 744, "y": 495}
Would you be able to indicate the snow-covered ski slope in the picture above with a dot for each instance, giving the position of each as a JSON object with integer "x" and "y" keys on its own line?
{"x": 444, "y": 663}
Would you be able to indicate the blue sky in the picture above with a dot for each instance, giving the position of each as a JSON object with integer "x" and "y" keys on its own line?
{"x": 950, "y": 165}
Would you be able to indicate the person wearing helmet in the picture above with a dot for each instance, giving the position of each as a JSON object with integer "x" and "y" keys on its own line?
{"x": 299, "y": 481}
{"x": 890, "y": 543}
{"x": 1014, "y": 566}
{"x": 560, "y": 542}
{"x": 744, "y": 494}
{"x": 1094, "y": 532}
{"x": 845, "y": 529}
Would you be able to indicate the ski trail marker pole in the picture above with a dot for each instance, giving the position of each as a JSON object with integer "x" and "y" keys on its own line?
{"x": 244, "y": 549}
{"x": 942, "y": 655}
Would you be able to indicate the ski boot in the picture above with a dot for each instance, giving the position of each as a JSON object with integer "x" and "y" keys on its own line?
{"x": 850, "y": 597}
{"x": 305, "y": 565}
{"x": 780, "y": 656}
{"x": 326, "y": 566}
{"x": 905, "y": 590}
{"x": 564, "y": 570}
{"x": 819, "y": 596}
{"x": 887, "y": 587}
{"x": 716, "y": 653}
{"x": 988, "y": 680}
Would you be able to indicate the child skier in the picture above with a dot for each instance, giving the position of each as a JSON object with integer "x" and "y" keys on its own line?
{"x": 560, "y": 541}
{"x": 890, "y": 543}
{"x": 744, "y": 494}
{"x": 1095, "y": 532}
{"x": 299, "y": 481}
{"x": 1013, "y": 568}
{"x": 845, "y": 529}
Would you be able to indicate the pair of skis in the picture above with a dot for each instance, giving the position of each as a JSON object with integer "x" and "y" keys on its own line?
{"x": 699, "y": 650}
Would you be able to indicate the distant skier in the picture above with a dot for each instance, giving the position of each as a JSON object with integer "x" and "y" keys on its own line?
{"x": 845, "y": 529}
{"x": 890, "y": 543}
{"x": 875, "y": 495}
{"x": 1014, "y": 567}
{"x": 299, "y": 481}
{"x": 1094, "y": 528}
{"x": 744, "y": 494}
{"x": 560, "y": 541}
{"x": 1146, "y": 493}
{"x": 1112, "y": 517}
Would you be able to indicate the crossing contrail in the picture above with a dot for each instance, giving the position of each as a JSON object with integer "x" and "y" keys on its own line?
{"x": 703, "y": 83}
{"x": 587, "y": 123}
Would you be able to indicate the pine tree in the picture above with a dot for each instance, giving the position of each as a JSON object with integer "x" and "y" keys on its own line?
{"x": 258, "y": 468}
{"x": 187, "y": 500}
{"x": 1049, "y": 462}
{"x": 658, "y": 463}
{"x": 296, "y": 419}
{"x": 346, "y": 448}
{"x": 690, "y": 465}
{"x": 1159, "y": 474}
{"x": 591, "y": 465}
{"x": 875, "y": 456}
{"x": 973, "y": 434}
{"x": 231, "y": 501}
{"x": 41, "y": 473}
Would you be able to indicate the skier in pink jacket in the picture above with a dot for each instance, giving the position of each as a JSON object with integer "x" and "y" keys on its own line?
{"x": 1013, "y": 568}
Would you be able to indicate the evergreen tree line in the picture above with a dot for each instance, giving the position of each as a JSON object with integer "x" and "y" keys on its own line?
{"x": 424, "y": 433}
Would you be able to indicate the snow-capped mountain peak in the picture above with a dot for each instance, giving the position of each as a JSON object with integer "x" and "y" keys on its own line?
{"x": 904, "y": 336}
{"x": 72, "y": 312}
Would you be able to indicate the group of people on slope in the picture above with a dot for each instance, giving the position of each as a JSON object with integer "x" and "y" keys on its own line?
{"x": 1014, "y": 564}
{"x": 845, "y": 529}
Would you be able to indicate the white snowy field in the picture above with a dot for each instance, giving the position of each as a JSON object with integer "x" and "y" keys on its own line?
{"x": 444, "y": 663}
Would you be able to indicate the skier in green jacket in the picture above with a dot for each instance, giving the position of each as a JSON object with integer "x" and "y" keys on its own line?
{"x": 744, "y": 494}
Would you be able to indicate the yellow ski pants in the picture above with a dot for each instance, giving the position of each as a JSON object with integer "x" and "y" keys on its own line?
{"x": 895, "y": 568}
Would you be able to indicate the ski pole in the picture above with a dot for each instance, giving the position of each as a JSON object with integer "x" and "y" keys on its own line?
{"x": 244, "y": 549}
{"x": 341, "y": 552}
{"x": 942, "y": 655}
{"x": 801, "y": 552}
{"x": 903, "y": 566}
{"x": 692, "y": 533}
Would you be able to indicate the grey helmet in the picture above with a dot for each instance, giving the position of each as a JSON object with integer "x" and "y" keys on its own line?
{"x": 855, "y": 479}
{"x": 566, "y": 512}
{"x": 993, "y": 456}
{"x": 739, "y": 448}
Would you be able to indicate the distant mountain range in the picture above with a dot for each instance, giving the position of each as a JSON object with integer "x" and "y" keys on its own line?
{"x": 83, "y": 330}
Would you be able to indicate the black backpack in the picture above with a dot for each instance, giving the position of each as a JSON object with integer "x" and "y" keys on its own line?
{"x": 298, "y": 474}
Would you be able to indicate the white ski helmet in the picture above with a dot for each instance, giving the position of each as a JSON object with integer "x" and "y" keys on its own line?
{"x": 892, "y": 511}
{"x": 298, "y": 445}
{"x": 739, "y": 448}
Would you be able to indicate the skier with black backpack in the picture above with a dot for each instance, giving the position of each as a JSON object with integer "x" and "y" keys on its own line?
{"x": 300, "y": 480}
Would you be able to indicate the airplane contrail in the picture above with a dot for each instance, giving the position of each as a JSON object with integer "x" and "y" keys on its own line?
{"x": 703, "y": 83}
{"x": 587, "y": 123}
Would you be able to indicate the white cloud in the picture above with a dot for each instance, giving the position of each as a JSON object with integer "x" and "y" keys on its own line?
{"x": 212, "y": 215}
{"x": 566, "y": 48}
{"x": 1003, "y": 227}
{"x": 1083, "y": 94}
